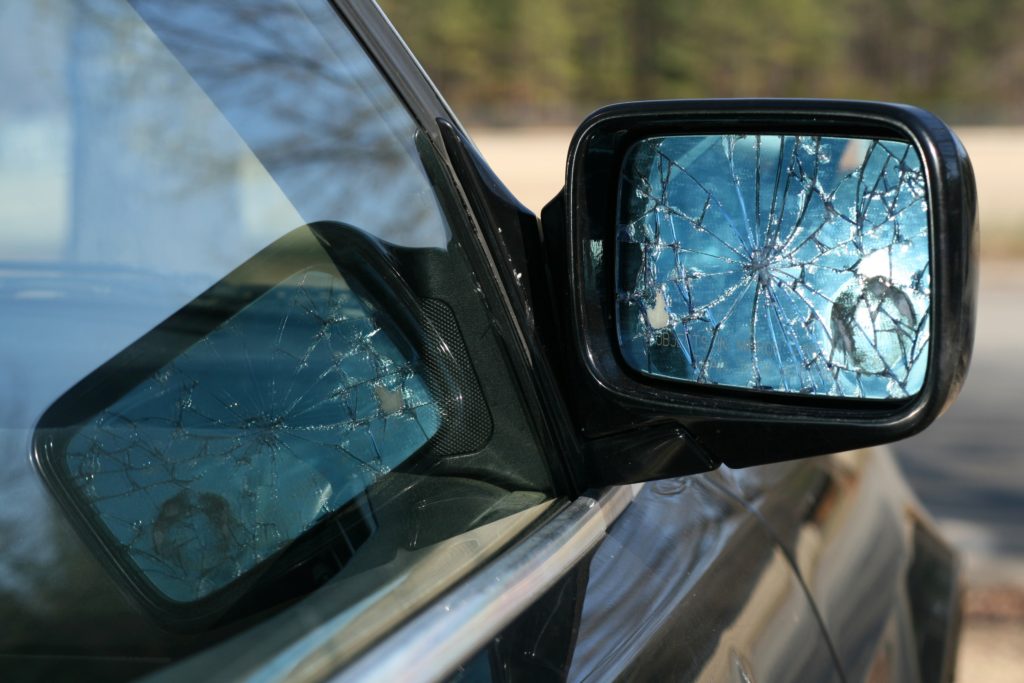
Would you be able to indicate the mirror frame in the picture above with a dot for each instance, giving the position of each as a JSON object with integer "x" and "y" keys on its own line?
{"x": 707, "y": 425}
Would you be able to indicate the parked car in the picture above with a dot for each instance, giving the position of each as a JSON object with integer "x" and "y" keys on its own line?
{"x": 294, "y": 388}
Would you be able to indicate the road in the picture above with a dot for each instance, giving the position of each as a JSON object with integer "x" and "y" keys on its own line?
{"x": 968, "y": 467}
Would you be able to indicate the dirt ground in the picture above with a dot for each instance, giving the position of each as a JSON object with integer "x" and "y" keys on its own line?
{"x": 532, "y": 163}
{"x": 992, "y": 641}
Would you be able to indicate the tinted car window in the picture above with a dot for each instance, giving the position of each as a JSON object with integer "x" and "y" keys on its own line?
{"x": 242, "y": 339}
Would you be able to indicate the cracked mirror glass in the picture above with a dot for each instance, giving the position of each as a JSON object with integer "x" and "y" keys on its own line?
{"x": 784, "y": 263}
{"x": 252, "y": 432}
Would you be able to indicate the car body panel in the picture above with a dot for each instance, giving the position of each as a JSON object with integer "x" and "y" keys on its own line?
{"x": 849, "y": 522}
{"x": 690, "y": 585}
{"x": 716, "y": 577}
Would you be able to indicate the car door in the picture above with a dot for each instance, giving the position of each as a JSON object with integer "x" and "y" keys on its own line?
{"x": 686, "y": 585}
{"x": 183, "y": 184}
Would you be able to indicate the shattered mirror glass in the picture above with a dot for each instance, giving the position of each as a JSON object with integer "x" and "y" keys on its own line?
{"x": 786, "y": 263}
{"x": 253, "y": 429}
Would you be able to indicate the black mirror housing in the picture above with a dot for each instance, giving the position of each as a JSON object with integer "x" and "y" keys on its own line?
{"x": 696, "y": 426}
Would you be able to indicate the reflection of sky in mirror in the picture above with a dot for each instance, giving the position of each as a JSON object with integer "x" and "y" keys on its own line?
{"x": 783, "y": 263}
{"x": 273, "y": 420}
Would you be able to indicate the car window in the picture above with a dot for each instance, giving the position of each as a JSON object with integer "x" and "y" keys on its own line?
{"x": 244, "y": 357}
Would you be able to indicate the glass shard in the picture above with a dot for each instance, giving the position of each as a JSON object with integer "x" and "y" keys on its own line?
{"x": 786, "y": 263}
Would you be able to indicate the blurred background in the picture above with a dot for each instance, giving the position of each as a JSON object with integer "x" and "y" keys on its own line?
{"x": 522, "y": 73}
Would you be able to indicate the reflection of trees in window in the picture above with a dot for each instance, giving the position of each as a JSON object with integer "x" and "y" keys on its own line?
{"x": 153, "y": 153}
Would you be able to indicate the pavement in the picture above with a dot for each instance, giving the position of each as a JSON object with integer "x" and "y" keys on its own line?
{"x": 968, "y": 470}
{"x": 968, "y": 467}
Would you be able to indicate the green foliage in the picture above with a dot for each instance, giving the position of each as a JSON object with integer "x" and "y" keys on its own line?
{"x": 533, "y": 60}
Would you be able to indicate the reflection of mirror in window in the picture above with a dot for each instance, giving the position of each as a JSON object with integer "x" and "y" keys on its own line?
{"x": 272, "y": 401}
{"x": 786, "y": 263}
{"x": 281, "y": 415}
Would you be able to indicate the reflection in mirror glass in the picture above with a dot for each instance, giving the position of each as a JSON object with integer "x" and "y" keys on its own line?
{"x": 282, "y": 415}
{"x": 795, "y": 264}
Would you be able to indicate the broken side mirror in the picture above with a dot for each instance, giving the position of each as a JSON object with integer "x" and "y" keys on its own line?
{"x": 759, "y": 280}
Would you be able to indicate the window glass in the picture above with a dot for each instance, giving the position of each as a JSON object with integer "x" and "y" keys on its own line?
{"x": 241, "y": 338}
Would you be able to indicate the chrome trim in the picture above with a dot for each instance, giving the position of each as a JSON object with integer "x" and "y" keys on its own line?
{"x": 432, "y": 644}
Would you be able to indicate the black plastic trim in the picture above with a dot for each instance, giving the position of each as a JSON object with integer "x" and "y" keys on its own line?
{"x": 513, "y": 237}
{"x": 476, "y": 204}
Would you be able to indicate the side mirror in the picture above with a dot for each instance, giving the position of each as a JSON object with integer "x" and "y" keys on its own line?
{"x": 758, "y": 280}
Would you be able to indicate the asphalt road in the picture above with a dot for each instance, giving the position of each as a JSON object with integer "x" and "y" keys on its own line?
{"x": 968, "y": 467}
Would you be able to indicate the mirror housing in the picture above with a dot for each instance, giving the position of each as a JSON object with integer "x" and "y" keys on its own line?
{"x": 638, "y": 426}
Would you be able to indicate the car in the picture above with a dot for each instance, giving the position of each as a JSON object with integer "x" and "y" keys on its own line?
{"x": 293, "y": 388}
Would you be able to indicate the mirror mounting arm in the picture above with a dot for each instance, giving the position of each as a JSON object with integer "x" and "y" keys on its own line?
{"x": 655, "y": 452}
